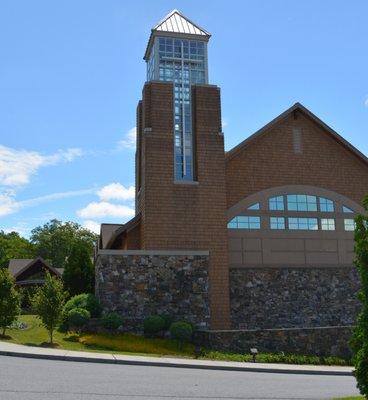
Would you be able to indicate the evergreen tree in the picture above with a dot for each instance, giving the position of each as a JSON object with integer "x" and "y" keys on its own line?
{"x": 9, "y": 300}
{"x": 48, "y": 303}
{"x": 78, "y": 274}
{"x": 360, "y": 336}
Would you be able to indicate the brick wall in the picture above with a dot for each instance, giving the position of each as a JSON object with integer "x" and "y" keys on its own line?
{"x": 270, "y": 161}
{"x": 186, "y": 215}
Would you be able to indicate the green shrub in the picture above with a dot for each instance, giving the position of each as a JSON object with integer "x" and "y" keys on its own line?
{"x": 111, "y": 321}
{"x": 85, "y": 300}
{"x": 168, "y": 321}
{"x": 181, "y": 331}
{"x": 78, "y": 317}
{"x": 153, "y": 325}
{"x": 360, "y": 337}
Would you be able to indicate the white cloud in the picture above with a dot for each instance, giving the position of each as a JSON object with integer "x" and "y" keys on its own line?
{"x": 366, "y": 102}
{"x": 116, "y": 191}
{"x": 17, "y": 166}
{"x": 128, "y": 142}
{"x": 92, "y": 226}
{"x": 104, "y": 209}
{"x": 9, "y": 205}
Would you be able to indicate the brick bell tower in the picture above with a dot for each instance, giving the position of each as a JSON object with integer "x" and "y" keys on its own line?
{"x": 180, "y": 158}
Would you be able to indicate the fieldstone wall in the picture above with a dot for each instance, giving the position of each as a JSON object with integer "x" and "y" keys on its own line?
{"x": 263, "y": 298}
{"x": 328, "y": 341}
{"x": 137, "y": 284}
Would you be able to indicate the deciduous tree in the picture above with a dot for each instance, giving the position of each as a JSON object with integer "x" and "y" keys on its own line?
{"x": 9, "y": 300}
{"x": 48, "y": 303}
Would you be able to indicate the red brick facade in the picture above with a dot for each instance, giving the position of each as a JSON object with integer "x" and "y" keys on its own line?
{"x": 184, "y": 215}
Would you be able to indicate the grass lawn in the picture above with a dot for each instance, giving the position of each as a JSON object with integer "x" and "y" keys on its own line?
{"x": 351, "y": 398}
{"x": 36, "y": 335}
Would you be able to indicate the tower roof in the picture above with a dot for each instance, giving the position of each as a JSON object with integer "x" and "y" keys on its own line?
{"x": 175, "y": 23}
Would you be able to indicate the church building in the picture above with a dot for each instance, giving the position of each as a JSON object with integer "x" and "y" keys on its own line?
{"x": 256, "y": 238}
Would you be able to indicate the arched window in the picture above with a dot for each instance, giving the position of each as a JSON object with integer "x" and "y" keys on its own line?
{"x": 294, "y": 212}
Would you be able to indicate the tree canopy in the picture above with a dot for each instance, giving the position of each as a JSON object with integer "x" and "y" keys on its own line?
{"x": 55, "y": 241}
{"x": 12, "y": 245}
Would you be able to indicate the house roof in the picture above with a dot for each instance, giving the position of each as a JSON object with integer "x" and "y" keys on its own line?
{"x": 178, "y": 24}
{"x": 106, "y": 232}
{"x": 297, "y": 107}
{"x": 18, "y": 265}
{"x": 123, "y": 228}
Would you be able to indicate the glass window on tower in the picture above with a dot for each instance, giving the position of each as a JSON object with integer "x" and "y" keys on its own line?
{"x": 182, "y": 62}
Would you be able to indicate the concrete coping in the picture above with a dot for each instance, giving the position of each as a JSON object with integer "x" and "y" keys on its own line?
{"x": 108, "y": 252}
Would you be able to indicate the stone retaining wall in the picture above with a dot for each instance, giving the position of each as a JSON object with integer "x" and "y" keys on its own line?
{"x": 320, "y": 341}
{"x": 137, "y": 284}
{"x": 263, "y": 298}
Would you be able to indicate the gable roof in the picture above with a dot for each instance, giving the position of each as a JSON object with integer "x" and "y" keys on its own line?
{"x": 131, "y": 224}
{"x": 18, "y": 265}
{"x": 297, "y": 107}
{"x": 178, "y": 24}
{"x": 106, "y": 232}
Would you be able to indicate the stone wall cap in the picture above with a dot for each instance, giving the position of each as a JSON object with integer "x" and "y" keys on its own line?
{"x": 108, "y": 252}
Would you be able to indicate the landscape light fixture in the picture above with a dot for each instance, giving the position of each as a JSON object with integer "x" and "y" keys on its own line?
{"x": 254, "y": 353}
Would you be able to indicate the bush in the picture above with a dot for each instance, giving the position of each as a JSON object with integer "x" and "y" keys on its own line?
{"x": 168, "y": 320}
{"x": 181, "y": 331}
{"x": 153, "y": 325}
{"x": 78, "y": 317}
{"x": 86, "y": 301}
{"x": 111, "y": 321}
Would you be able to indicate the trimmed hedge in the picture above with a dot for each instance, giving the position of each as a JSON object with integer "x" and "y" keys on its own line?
{"x": 78, "y": 317}
{"x": 111, "y": 321}
{"x": 153, "y": 325}
{"x": 181, "y": 331}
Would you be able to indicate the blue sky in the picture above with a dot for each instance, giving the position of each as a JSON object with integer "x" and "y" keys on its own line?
{"x": 71, "y": 73}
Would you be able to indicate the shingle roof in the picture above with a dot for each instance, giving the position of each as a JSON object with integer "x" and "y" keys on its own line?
{"x": 17, "y": 264}
{"x": 106, "y": 232}
{"x": 177, "y": 24}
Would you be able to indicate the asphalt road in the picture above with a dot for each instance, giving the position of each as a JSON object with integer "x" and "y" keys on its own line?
{"x": 30, "y": 379}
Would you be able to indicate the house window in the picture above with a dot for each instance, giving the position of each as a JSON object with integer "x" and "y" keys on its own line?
{"x": 347, "y": 209}
{"x": 301, "y": 202}
{"x": 277, "y": 222}
{"x": 306, "y": 224}
{"x": 276, "y": 203}
{"x": 326, "y": 205}
{"x": 254, "y": 206}
{"x": 328, "y": 224}
{"x": 349, "y": 224}
{"x": 245, "y": 222}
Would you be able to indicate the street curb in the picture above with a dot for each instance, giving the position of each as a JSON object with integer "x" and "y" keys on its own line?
{"x": 173, "y": 364}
